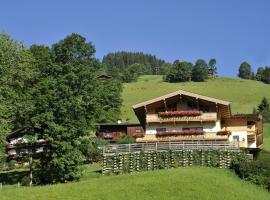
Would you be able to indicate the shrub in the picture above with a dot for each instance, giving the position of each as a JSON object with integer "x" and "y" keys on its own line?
{"x": 25, "y": 181}
{"x": 126, "y": 139}
{"x": 256, "y": 171}
{"x": 12, "y": 164}
{"x": 90, "y": 149}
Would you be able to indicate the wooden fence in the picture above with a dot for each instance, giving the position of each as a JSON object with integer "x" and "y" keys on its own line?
{"x": 165, "y": 146}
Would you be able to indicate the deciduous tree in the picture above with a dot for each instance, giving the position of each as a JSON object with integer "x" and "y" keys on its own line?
{"x": 245, "y": 71}
{"x": 200, "y": 71}
{"x": 17, "y": 75}
{"x": 179, "y": 72}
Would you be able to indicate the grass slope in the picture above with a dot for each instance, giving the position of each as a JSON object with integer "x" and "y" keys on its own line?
{"x": 184, "y": 183}
{"x": 243, "y": 94}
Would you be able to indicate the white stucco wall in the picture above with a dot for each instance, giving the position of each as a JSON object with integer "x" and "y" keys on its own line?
{"x": 207, "y": 127}
{"x": 18, "y": 140}
{"x": 242, "y": 136}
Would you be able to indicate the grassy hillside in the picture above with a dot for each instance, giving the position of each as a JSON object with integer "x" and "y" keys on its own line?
{"x": 243, "y": 94}
{"x": 184, "y": 183}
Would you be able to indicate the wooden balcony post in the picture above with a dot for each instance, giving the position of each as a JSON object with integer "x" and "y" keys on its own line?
{"x": 197, "y": 104}
{"x": 165, "y": 104}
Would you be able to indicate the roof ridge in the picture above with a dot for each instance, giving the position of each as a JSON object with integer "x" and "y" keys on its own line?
{"x": 179, "y": 92}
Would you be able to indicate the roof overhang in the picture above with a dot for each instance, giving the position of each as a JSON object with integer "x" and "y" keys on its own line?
{"x": 181, "y": 92}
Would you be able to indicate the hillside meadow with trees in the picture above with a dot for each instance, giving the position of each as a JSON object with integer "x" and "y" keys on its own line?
{"x": 262, "y": 74}
{"x": 128, "y": 66}
{"x": 182, "y": 71}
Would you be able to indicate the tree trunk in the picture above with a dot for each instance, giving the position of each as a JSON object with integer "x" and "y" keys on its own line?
{"x": 30, "y": 171}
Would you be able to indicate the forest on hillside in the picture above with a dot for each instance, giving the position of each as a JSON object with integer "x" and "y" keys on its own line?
{"x": 116, "y": 63}
{"x": 128, "y": 66}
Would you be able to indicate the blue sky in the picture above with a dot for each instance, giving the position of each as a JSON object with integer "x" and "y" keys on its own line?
{"x": 231, "y": 31}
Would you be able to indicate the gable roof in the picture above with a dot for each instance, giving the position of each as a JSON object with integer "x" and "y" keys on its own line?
{"x": 181, "y": 92}
{"x": 140, "y": 108}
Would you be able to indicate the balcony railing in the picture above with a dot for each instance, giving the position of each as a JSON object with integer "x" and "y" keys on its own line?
{"x": 166, "y": 146}
{"x": 40, "y": 142}
{"x": 183, "y": 136}
{"x": 206, "y": 117}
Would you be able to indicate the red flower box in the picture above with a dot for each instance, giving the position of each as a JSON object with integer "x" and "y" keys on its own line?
{"x": 189, "y": 113}
{"x": 175, "y": 133}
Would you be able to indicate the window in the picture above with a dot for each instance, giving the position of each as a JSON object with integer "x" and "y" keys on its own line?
{"x": 204, "y": 108}
{"x": 172, "y": 107}
{"x": 236, "y": 138}
{"x": 161, "y": 109}
{"x": 137, "y": 130}
{"x": 160, "y": 129}
{"x": 250, "y": 123}
{"x": 192, "y": 128}
{"x": 192, "y": 105}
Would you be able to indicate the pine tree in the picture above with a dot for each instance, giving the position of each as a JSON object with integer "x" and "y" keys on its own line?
{"x": 264, "y": 109}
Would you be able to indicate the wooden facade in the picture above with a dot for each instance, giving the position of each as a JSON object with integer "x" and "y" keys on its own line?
{"x": 18, "y": 146}
{"x": 113, "y": 131}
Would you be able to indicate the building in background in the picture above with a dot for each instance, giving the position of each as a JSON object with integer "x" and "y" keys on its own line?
{"x": 113, "y": 131}
{"x": 25, "y": 142}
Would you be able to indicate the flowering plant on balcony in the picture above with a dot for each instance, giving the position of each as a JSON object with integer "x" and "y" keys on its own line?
{"x": 6, "y": 145}
{"x": 228, "y": 133}
{"x": 107, "y": 135}
{"x": 176, "y": 133}
{"x": 189, "y": 113}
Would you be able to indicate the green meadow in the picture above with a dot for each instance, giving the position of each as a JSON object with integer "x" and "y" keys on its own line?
{"x": 172, "y": 184}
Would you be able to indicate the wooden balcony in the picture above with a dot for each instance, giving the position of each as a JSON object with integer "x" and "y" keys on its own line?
{"x": 109, "y": 135}
{"x": 196, "y": 137}
{"x": 204, "y": 117}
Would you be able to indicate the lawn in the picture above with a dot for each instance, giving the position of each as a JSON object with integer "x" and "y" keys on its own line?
{"x": 243, "y": 94}
{"x": 182, "y": 183}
